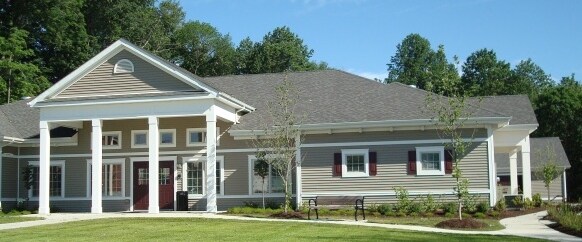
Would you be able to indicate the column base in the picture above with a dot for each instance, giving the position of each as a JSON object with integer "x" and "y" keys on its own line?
{"x": 152, "y": 209}
{"x": 96, "y": 210}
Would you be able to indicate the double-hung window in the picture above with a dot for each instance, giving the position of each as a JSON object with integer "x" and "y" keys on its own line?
{"x": 195, "y": 176}
{"x": 272, "y": 182}
{"x": 56, "y": 178}
{"x": 112, "y": 177}
{"x": 430, "y": 160}
{"x": 355, "y": 163}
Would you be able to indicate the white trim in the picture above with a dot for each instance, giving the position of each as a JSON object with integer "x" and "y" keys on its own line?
{"x": 491, "y": 166}
{"x": 431, "y": 149}
{"x": 201, "y": 159}
{"x": 512, "y": 127}
{"x": 173, "y": 132}
{"x": 60, "y": 163}
{"x": 35, "y": 199}
{"x": 111, "y": 154}
{"x": 120, "y": 161}
{"x": 138, "y": 146}
{"x": 565, "y": 186}
{"x": 392, "y": 193}
{"x": 110, "y": 133}
{"x": 346, "y": 152}
{"x": 204, "y": 135}
{"x": 117, "y": 70}
{"x": 397, "y": 142}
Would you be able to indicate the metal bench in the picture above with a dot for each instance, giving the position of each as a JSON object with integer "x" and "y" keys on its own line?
{"x": 337, "y": 202}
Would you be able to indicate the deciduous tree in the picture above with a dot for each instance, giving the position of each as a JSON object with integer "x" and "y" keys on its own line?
{"x": 484, "y": 75}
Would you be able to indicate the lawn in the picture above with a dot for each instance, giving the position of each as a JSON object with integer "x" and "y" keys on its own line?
{"x": 190, "y": 229}
{"x": 4, "y": 219}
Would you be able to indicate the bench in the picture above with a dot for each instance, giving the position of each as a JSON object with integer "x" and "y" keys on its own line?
{"x": 337, "y": 202}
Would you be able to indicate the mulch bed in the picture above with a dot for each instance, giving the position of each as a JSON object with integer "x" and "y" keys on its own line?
{"x": 468, "y": 223}
{"x": 561, "y": 228}
{"x": 287, "y": 215}
{"x": 515, "y": 213}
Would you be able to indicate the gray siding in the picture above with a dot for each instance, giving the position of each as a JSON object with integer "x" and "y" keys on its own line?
{"x": 375, "y": 199}
{"x": 146, "y": 78}
{"x": 556, "y": 188}
{"x": 386, "y": 136}
{"x": 10, "y": 174}
{"x": 74, "y": 205}
{"x": 392, "y": 171}
{"x": 226, "y": 203}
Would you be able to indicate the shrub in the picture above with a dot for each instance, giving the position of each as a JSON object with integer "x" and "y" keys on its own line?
{"x": 518, "y": 201}
{"x": 479, "y": 215}
{"x": 417, "y": 207}
{"x": 403, "y": 203}
{"x": 500, "y": 205}
{"x": 466, "y": 215}
{"x": 494, "y": 214}
{"x": 470, "y": 204}
{"x": 449, "y": 215}
{"x": 385, "y": 209}
{"x": 482, "y": 207}
{"x": 252, "y": 204}
{"x": 429, "y": 203}
{"x": 414, "y": 214}
{"x": 528, "y": 203}
{"x": 567, "y": 216}
{"x": 537, "y": 200}
{"x": 372, "y": 208}
{"x": 400, "y": 214}
{"x": 450, "y": 207}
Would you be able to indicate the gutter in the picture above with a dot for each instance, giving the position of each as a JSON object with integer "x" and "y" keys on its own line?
{"x": 12, "y": 139}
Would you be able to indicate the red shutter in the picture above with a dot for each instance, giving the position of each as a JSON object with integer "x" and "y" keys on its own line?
{"x": 337, "y": 164}
{"x": 448, "y": 161}
{"x": 412, "y": 162}
{"x": 372, "y": 163}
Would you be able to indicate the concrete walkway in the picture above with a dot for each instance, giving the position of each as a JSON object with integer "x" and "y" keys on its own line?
{"x": 529, "y": 225}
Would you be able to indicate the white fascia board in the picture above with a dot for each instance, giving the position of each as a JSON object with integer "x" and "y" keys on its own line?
{"x": 113, "y": 101}
{"x": 123, "y": 110}
{"x": 233, "y": 101}
{"x": 518, "y": 127}
{"x": 421, "y": 123}
{"x": 8, "y": 139}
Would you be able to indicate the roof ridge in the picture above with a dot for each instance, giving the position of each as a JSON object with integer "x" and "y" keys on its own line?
{"x": 268, "y": 73}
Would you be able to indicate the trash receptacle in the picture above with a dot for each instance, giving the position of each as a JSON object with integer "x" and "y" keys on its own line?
{"x": 182, "y": 200}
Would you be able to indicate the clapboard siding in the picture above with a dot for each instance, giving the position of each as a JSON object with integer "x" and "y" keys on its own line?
{"x": 386, "y": 136}
{"x": 145, "y": 79}
{"x": 75, "y": 205}
{"x": 226, "y": 203}
{"x": 556, "y": 188}
{"x": 392, "y": 171}
{"x": 9, "y": 177}
{"x": 382, "y": 199}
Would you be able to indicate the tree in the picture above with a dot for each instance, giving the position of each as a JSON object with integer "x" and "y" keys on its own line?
{"x": 416, "y": 63}
{"x": 549, "y": 171}
{"x": 282, "y": 135}
{"x": 262, "y": 169}
{"x": 530, "y": 79}
{"x": 204, "y": 51}
{"x": 558, "y": 111}
{"x": 18, "y": 77}
{"x": 449, "y": 116}
{"x": 484, "y": 75}
{"x": 246, "y": 57}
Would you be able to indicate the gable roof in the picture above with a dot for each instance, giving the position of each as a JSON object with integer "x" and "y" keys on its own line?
{"x": 112, "y": 50}
{"x": 331, "y": 96}
{"x": 538, "y": 155}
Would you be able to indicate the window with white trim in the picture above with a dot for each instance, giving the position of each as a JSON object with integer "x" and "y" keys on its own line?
{"x": 167, "y": 138}
{"x": 197, "y": 136}
{"x": 273, "y": 183}
{"x": 112, "y": 177}
{"x": 355, "y": 163}
{"x": 123, "y": 66}
{"x": 56, "y": 178}
{"x": 139, "y": 139}
{"x": 111, "y": 140}
{"x": 195, "y": 178}
{"x": 430, "y": 160}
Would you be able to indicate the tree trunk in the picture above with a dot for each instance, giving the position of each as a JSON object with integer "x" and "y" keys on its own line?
{"x": 263, "y": 193}
{"x": 548, "y": 193}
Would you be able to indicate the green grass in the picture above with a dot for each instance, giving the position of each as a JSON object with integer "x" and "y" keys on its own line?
{"x": 4, "y": 219}
{"x": 190, "y": 229}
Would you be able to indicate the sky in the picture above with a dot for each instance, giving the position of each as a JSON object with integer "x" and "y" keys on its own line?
{"x": 360, "y": 36}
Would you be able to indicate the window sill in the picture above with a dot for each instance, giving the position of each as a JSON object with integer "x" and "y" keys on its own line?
{"x": 431, "y": 173}
{"x": 350, "y": 175}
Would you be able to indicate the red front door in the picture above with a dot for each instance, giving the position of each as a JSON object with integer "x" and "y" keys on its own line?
{"x": 141, "y": 185}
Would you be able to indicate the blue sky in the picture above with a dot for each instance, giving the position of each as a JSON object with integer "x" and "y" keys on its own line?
{"x": 360, "y": 36}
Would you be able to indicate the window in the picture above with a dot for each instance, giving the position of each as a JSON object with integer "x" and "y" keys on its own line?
{"x": 111, "y": 140}
{"x": 123, "y": 66}
{"x": 139, "y": 139}
{"x": 112, "y": 177}
{"x": 196, "y": 178}
{"x": 165, "y": 176}
{"x": 430, "y": 160}
{"x": 197, "y": 136}
{"x": 143, "y": 176}
{"x": 273, "y": 183}
{"x": 56, "y": 178}
{"x": 355, "y": 163}
{"x": 168, "y": 138}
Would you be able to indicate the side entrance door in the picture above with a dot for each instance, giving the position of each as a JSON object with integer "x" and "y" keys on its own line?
{"x": 141, "y": 185}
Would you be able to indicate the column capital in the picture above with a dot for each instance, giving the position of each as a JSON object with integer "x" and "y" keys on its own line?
{"x": 44, "y": 125}
{"x": 153, "y": 120}
{"x": 96, "y": 122}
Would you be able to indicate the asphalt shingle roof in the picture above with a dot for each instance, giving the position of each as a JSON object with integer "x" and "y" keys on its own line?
{"x": 516, "y": 106}
{"x": 19, "y": 120}
{"x": 330, "y": 96}
{"x": 538, "y": 155}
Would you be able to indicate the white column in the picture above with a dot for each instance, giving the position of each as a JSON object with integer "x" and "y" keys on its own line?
{"x": 96, "y": 166}
{"x": 211, "y": 161}
{"x": 513, "y": 188}
{"x": 1, "y": 147}
{"x": 492, "y": 168}
{"x": 526, "y": 168}
{"x": 564, "y": 186}
{"x": 44, "y": 168}
{"x": 154, "y": 165}
{"x": 298, "y": 187}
